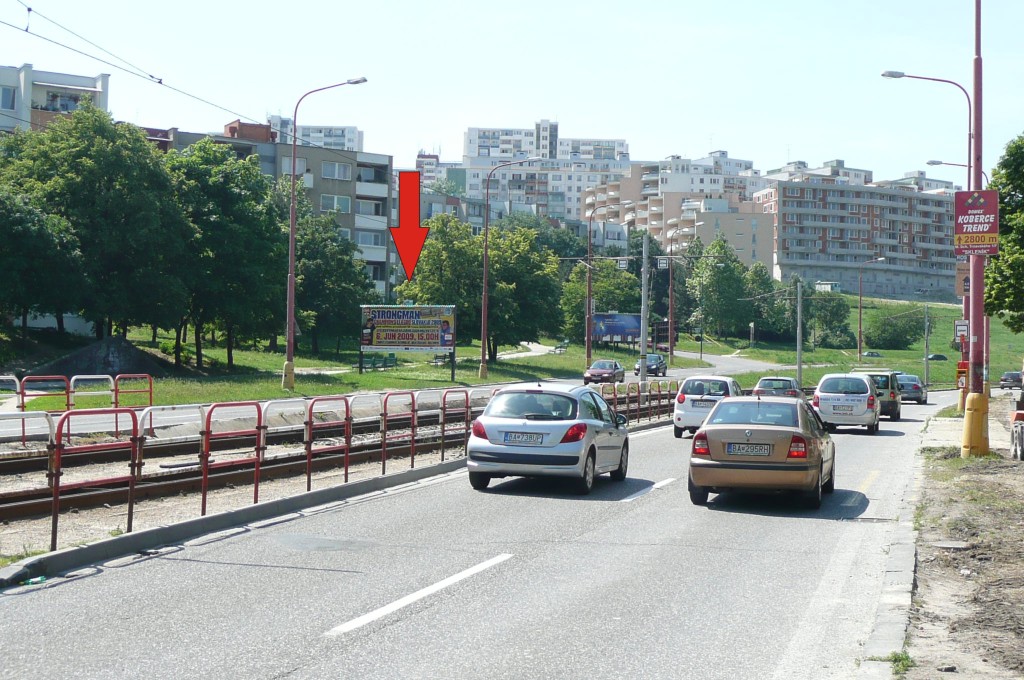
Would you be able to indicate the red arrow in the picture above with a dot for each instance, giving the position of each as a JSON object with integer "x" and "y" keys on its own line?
{"x": 408, "y": 235}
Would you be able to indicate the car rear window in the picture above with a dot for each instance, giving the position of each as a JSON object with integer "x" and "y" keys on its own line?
{"x": 730, "y": 412}
{"x": 843, "y": 386}
{"x": 774, "y": 384}
{"x": 533, "y": 406}
{"x": 697, "y": 387}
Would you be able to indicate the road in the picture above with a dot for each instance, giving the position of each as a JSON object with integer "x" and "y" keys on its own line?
{"x": 525, "y": 580}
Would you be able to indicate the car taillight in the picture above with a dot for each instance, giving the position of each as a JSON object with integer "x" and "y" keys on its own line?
{"x": 680, "y": 398}
{"x": 478, "y": 430}
{"x": 757, "y": 391}
{"x": 892, "y": 395}
{"x": 792, "y": 393}
{"x": 814, "y": 400}
{"x": 871, "y": 401}
{"x": 797, "y": 447}
{"x": 575, "y": 433}
{"x": 700, "y": 445}
{"x": 916, "y": 387}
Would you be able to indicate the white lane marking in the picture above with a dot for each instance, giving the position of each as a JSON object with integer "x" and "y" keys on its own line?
{"x": 648, "y": 433}
{"x": 418, "y": 595}
{"x": 643, "y": 492}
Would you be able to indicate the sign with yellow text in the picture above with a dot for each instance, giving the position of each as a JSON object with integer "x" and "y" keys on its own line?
{"x": 976, "y": 223}
{"x": 408, "y": 328}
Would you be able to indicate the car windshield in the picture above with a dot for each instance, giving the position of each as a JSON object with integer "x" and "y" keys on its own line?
{"x": 843, "y": 386}
{"x": 697, "y": 387}
{"x": 603, "y": 365}
{"x": 532, "y": 406}
{"x": 730, "y": 412}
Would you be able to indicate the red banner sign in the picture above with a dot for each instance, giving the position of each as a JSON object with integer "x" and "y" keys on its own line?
{"x": 976, "y": 223}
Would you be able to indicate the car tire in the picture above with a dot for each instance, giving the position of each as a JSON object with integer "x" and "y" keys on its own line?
{"x": 895, "y": 416}
{"x": 677, "y": 431}
{"x": 698, "y": 494}
{"x": 479, "y": 480}
{"x": 586, "y": 483}
{"x": 830, "y": 485}
{"x": 872, "y": 429}
{"x": 619, "y": 473}
{"x": 813, "y": 497}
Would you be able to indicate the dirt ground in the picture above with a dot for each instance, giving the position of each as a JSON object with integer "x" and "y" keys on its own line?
{"x": 967, "y": 619}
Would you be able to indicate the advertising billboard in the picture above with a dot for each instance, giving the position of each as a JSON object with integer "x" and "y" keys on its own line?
{"x": 616, "y": 327}
{"x": 976, "y": 223}
{"x": 408, "y": 328}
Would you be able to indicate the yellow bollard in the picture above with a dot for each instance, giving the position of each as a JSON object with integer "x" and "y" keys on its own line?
{"x": 975, "y": 413}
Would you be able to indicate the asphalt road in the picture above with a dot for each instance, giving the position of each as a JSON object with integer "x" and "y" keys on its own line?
{"x": 525, "y": 580}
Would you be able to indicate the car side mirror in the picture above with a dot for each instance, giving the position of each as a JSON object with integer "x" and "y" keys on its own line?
{"x": 620, "y": 419}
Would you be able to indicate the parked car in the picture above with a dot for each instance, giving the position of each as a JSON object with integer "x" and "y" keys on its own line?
{"x": 847, "y": 399}
{"x": 887, "y": 385}
{"x": 762, "y": 444}
{"x": 778, "y": 387}
{"x": 937, "y": 357}
{"x": 604, "y": 371}
{"x": 913, "y": 387}
{"x": 697, "y": 396}
{"x": 548, "y": 430}
{"x": 656, "y": 365}
{"x": 1010, "y": 379}
{"x": 872, "y": 353}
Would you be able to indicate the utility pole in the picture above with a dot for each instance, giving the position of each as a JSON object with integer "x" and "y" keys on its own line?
{"x": 799, "y": 331}
{"x": 927, "y": 332}
{"x": 643, "y": 312}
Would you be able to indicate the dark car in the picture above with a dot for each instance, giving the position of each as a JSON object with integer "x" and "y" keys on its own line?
{"x": 873, "y": 354}
{"x": 1010, "y": 379}
{"x": 937, "y": 357}
{"x": 655, "y": 365}
{"x": 913, "y": 387}
{"x": 778, "y": 387}
{"x": 604, "y": 371}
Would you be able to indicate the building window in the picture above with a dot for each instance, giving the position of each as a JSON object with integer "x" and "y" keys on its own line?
{"x": 286, "y": 166}
{"x": 339, "y": 204}
{"x": 370, "y": 238}
{"x": 331, "y": 170}
{"x": 376, "y": 174}
{"x": 369, "y": 207}
{"x": 7, "y": 98}
{"x": 375, "y": 270}
{"x": 345, "y": 233}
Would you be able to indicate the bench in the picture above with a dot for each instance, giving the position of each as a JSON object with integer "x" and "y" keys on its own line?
{"x": 559, "y": 348}
{"x": 440, "y": 359}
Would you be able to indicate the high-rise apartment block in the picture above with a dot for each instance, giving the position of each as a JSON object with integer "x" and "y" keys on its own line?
{"x": 30, "y": 99}
{"x": 342, "y": 137}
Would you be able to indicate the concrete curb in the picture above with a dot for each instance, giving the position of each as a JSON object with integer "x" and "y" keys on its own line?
{"x": 70, "y": 559}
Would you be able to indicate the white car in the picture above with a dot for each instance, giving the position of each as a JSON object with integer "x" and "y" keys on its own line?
{"x": 548, "y": 430}
{"x": 697, "y": 396}
{"x": 847, "y": 399}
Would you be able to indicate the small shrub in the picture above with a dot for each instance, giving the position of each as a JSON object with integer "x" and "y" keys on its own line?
{"x": 167, "y": 347}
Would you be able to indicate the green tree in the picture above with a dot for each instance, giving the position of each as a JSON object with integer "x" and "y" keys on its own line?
{"x": 894, "y": 326}
{"x": 1004, "y": 275}
{"x": 613, "y": 288}
{"x": 830, "y": 313}
{"x": 767, "y": 303}
{"x": 718, "y": 280}
{"x": 446, "y": 187}
{"x": 109, "y": 184}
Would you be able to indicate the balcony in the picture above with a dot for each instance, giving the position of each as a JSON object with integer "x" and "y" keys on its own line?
{"x": 375, "y": 189}
{"x": 649, "y": 191}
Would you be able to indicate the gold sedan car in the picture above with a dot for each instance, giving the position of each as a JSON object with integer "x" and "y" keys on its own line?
{"x": 762, "y": 444}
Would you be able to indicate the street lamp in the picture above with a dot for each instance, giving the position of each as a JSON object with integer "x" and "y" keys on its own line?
{"x": 672, "y": 288}
{"x": 590, "y": 272}
{"x": 483, "y": 298}
{"x": 288, "y": 374}
{"x": 960, "y": 165}
{"x": 860, "y": 304}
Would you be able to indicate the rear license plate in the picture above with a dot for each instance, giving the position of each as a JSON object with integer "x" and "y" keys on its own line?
{"x": 523, "y": 438}
{"x": 749, "y": 449}
{"x": 842, "y": 408}
{"x": 703, "y": 403}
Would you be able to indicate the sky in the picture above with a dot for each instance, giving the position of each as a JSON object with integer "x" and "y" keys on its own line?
{"x": 771, "y": 81}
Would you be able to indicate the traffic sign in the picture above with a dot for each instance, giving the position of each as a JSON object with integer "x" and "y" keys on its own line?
{"x": 961, "y": 327}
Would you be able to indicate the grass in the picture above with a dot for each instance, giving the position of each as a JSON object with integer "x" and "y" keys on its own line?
{"x": 6, "y": 560}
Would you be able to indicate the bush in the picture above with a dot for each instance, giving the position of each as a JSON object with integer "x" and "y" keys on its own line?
{"x": 167, "y": 347}
{"x": 837, "y": 339}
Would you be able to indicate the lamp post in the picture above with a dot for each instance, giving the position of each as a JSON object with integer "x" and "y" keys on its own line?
{"x": 860, "y": 305}
{"x": 288, "y": 374}
{"x": 590, "y": 273}
{"x": 960, "y": 165}
{"x": 483, "y": 297}
{"x": 672, "y": 288}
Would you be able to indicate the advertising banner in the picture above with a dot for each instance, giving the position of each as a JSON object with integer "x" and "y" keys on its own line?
{"x": 976, "y": 223}
{"x": 616, "y": 327}
{"x": 408, "y": 328}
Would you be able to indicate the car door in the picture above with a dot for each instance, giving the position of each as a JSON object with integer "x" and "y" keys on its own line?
{"x": 608, "y": 437}
{"x": 819, "y": 434}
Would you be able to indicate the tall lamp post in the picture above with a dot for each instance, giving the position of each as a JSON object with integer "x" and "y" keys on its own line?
{"x": 960, "y": 165}
{"x": 860, "y": 305}
{"x": 589, "y": 329}
{"x": 672, "y": 288}
{"x": 483, "y": 297}
{"x": 288, "y": 374}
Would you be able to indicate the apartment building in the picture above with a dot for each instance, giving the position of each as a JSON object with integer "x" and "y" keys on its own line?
{"x": 826, "y": 226}
{"x": 542, "y": 140}
{"x": 341, "y": 137}
{"x": 31, "y": 98}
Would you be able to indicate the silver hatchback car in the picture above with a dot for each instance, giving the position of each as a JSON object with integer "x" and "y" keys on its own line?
{"x": 548, "y": 430}
{"x": 847, "y": 399}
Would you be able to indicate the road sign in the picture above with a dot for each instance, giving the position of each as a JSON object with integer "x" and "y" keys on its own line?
{"x": 961, "y": 327}
{"x": 623, "y": 263}
{"x": 976, "y": 223}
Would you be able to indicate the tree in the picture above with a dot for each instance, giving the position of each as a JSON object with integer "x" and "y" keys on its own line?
{"x": 613, "y": 288}
{"x": 892, "y": 326}
{"x": 109, "y": 184}
{"x": 766, "y": 303}
{"x": 1004, "y": 275}
{"x": 718, "y": 280}
{"x": 830, "y": 313}
{"x": 446, "y": 187}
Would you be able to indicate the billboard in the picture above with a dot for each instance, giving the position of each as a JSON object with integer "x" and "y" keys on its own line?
{"x": 976, "y": 223}
{"x": 408, "y": 328}
{"x": 616, "y": 327}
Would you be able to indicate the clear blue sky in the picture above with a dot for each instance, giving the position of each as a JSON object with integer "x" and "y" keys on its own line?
{"x": 767, "y": 81}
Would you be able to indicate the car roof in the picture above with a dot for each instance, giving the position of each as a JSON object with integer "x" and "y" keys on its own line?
{"x": 909, "y": 376}
{"x": 769, "y": 399}
{"x": 707, "y": 376}
{"x": 862, "y": 376}
{"x": 776, "y": 377}
{"x": 570, "y": 389}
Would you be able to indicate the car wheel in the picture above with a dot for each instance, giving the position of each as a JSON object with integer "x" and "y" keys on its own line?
{"x": 585, "y": 483}
{"x": 698, "y": 494}
{"x": 479, "y": 480}
{"x": 873, "y": 428}
{"x": 619, "y": 473}
{"x": 895, "y": 416}
{"x": 677, "y": 431}
{"x": 830, "y": 485}
{"x": 813, "y": 497}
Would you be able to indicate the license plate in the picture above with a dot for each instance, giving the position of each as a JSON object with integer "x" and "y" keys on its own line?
{"x": 842, "y": 408}
{"x": 523, "y": 438}
{"x": 703, "y": 403}
{"x": 740, "y": 449}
